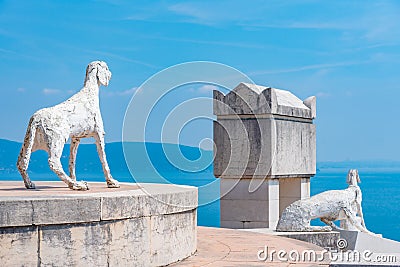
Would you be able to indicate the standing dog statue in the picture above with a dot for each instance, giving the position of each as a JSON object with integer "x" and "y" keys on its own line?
{"x": 328, "y": 206}
{"x": 78, "y": 117}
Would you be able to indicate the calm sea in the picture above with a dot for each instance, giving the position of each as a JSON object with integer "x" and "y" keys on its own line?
{"x": 381, "y": 193}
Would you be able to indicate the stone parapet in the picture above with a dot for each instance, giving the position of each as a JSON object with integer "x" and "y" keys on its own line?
{"x": 136, "y": 225}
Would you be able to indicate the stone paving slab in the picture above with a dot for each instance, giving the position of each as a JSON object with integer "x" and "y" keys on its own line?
{"x": 235, "y": 248}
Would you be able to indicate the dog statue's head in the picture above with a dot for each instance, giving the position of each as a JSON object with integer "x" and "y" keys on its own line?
{"x": 100, "y": 70}
{"x": 352, "y": 177}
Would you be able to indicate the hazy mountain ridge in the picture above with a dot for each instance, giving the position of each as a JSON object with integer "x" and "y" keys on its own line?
{"x": 88, "y": 161}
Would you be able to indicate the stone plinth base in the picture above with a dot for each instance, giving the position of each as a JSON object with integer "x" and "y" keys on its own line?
{"x": 146, "y": 225}
{"x": 243, "y": 209}
{"x": 326, "y": 240}
{"x": 291, "y": 190}
{"x": 362, "y": 241}
{"x": 257, "y": 203}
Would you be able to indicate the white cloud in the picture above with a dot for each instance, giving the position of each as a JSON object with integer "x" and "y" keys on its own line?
{"x": 47, "y": 91}
{"x": 348, "y": 93}
{"x": 373, "y": 22}
{"x": 310, "y": 67}
{"x": 21, "y": 90}
{"x": 323, "y": 94}
{"x": 219, "y": 43}
{"x": 204, "y": 89}
{"x": 195, "y": 13}
{"x": 128, "y": 92}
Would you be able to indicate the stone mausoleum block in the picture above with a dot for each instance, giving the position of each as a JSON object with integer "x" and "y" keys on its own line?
{"x": 265, "y": 153}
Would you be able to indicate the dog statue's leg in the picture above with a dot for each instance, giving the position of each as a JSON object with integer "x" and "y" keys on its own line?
{"x": 22, "y": 165}
{"x": 358, "y": 204}
{"x": 352, "y": 218}
{"x": 72, "y": 157}
{"x": 111, "y": 182}
{"x": 360, "y": 212}
{"x": 330, "y": 223}
{"x": 55, "y": 165}
{"x": 25, "y": 154}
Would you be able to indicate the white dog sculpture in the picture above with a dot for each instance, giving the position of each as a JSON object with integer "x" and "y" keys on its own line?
{"x": 329, "y": 206}
{"x": 78, "y": 117}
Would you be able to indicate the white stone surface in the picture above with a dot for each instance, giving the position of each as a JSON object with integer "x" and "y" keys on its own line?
{"x": 244, "y": 210}
{"x": 18, "y": 246}
{"x": 327, "y": 240}
{"x": 262, "y": 135}
{"x": 291, "y": 190}
{"x": 95, "y": 244}
{"x": 256, "y": 99}
{"x": 176, "y": 235}
{"x": 295, "y": 149}
{"x": 76, "y": 118}
{"x": 311, "y": 103}
{"x": 329, "y": 206}
{"x": 362, "y": 241}
{"x": 242, "y": 207}
{"x": 151, "y": 226}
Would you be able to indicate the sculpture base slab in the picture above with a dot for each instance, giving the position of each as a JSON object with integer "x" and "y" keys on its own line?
{"x": 368, "y": 250}
{"x": 326, "y": 240}
{"x": 362, "y": 241}
{"x": 135, "y": 225}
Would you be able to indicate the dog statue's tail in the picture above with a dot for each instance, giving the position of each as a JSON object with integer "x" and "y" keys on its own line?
{"x": 26, "y": 151}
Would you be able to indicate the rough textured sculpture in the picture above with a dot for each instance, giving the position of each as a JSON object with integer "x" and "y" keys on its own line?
{"x": 329, "y": 206}
{"x": 76, "y": 118}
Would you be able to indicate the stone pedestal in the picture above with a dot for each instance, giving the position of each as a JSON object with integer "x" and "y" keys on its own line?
{"x": 146, "y": 225}
{"x": 265, "y": 153}
{"x": 241, "y": 209}
{"x": 292, "y": 189}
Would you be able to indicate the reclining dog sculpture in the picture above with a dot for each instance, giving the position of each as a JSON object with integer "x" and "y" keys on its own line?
{"x": 329, "y": 206}
{"x": 76, "y": 118}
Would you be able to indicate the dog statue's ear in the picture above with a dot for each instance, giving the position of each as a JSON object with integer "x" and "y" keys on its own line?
{"x": 103, "y": 75}
{"x": 87, "y": 70}
{"x": 358, "y": 177}
{"x": 91, "y": 67}
{"x": 348, "y": 177}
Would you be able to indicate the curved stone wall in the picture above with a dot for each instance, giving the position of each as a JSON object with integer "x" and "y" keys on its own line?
{"x": 146, "y": 225}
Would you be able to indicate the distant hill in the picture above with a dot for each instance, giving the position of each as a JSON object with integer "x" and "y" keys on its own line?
{"x": 88, "y": 160}
{"x": 352, "y": 164}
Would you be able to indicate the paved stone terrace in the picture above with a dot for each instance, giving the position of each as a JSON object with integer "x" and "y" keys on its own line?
{"x": 216, "y": 246}
{"x": 231, "y": 248}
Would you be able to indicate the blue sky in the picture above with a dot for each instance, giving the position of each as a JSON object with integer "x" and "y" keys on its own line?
{"x": 344, "y": 52}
